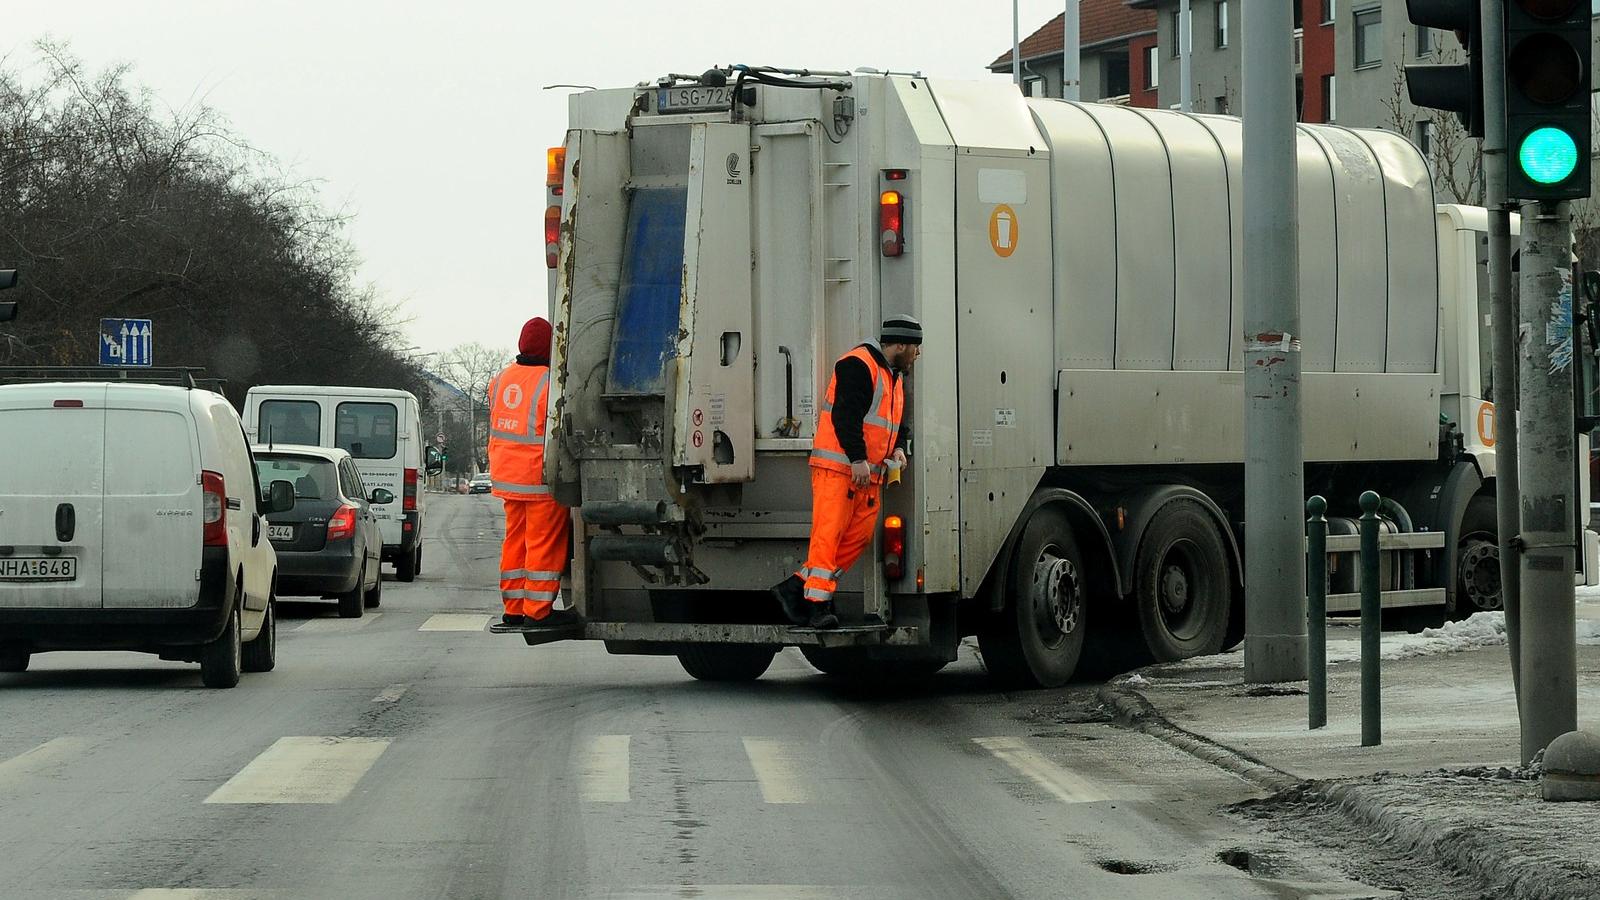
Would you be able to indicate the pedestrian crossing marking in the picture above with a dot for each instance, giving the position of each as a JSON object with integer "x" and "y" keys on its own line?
{"x": 606, "y": 769}
{"x": 778, "y": 768}
{"x": 31, "y": 762}
{"x": 456, "y": 622}
{"x": 391, "y": 693}
{"x": 303, "y": 770}
{"x": 1065, "y": 786}
{"x": 320, "y": 625}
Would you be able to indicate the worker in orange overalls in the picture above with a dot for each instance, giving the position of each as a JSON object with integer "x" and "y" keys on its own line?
{"x": 535, "y": 550}
{"x": 860, "y": 435}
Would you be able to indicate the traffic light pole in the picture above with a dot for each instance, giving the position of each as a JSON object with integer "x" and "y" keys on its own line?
{"x": 1274, "y": 471}
{"x": 1503, "y": 314}
{"x": 1549, "y": 502}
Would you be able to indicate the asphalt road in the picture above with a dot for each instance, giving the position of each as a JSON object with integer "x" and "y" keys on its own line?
{"x": 411, "y": 753}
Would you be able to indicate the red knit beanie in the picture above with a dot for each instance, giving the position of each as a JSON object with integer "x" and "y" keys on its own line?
{"x": 535, "y": 340}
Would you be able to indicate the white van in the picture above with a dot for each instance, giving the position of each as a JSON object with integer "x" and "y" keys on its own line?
{"x": 131, "y": 518}
{"x": 380, "y": 428}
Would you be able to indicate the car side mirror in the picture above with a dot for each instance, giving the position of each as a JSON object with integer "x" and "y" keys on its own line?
{"x": 280, "y": 497}
{"x": 381, "y": 496}
{"x": 434, "y": 463}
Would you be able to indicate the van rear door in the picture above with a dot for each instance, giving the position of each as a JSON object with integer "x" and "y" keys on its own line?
{"x": 154, "y": 524}
{"x": 52, "y": 474}
{"x": 369, "y": 430}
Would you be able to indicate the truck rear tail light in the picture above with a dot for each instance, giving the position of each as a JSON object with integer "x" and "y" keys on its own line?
{"x": 342, "y": 524}
{"x": 891, "y": 222}
{"x": 895, "y": 174}
{"x": 68, "y": 404}
{"x": 410, "y": 492}
{"x": 894, "y": 547}
{"x": 552, "y": 236}
{"x": 555, "y": 169}
{"x": 214, "y": 510}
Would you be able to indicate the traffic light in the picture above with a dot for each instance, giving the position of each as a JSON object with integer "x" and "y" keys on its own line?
{"x": 1547, "y": 99}
{"x": 1454, "y": 88}
{"x": 8, "y": 279}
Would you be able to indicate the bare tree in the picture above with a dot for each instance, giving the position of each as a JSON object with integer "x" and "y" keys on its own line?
{"x": 1455, "y": 158}
{"x": 471, "y": 367}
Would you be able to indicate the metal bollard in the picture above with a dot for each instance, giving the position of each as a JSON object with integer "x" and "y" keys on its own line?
{"x": 1317, "y": 610}
{"x": 1371, "y": 623}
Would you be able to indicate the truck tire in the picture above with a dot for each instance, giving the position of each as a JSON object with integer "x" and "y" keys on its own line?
{"x": 261, "y": 654}
{"x": 855, "y": 665}
{"x": 350, "y": 602}
{"x": 14, "y": 660}
{"x": 405, "y": 567}
{"x": 222, "y": 660}
{"x": 1181, "y": 586}
{"x": 1478, "y": 559}
{"x": 726, "y": 662}
{"x": 1036, "y": 641}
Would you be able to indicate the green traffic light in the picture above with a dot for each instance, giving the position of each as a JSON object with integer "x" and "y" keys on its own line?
{"x": 1548, "y": 155}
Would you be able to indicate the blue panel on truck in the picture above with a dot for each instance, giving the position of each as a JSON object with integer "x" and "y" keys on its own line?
{"x": 652, "y": 282}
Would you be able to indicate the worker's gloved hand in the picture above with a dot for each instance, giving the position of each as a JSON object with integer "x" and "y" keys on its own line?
{"x": 860, "y": 473}
{"x": 899, "y": 457}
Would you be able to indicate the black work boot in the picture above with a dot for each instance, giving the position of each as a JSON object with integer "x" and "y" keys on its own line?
{"x": 558, "y": 618}
{"x": 514, "y": 620}
{"x": 791, "y": 595}
{"x": 823, "y": 616}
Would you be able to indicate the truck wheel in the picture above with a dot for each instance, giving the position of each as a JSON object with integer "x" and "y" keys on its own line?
{"x": 221, "y": 660}
{"x": 261, "y": 654}
{"x": 350, "y": 602}
{"x": 1037, "y": 640}
{"x": 1478, "y": 559}
{"x": 14, "y": 660}
{"x": 405, "y": 567}
{"x": 726, "y": 662}
{"x": 1180, "y": 583}
{"x": 857, "y": 666}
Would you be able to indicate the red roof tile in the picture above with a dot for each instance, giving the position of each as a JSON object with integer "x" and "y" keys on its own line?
{"x": 1098, "y": 21}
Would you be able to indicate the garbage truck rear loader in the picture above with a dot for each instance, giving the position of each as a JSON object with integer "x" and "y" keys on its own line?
{"x": 1076, "y": 468}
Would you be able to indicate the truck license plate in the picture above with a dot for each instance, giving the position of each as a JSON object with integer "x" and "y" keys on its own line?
{"x": 280, "y": 532}
{"x": 39, "y": 568}
{"x": 685, "y": 99}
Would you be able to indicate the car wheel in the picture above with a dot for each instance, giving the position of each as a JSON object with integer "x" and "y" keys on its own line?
{"x": 350, "y": 601}
{"x": 375, "y": 596}
{"x": 261, "y": 654}
{"x": 14, "y": 660}
{"x": 405, "y": 567}
{"x": 222, "y": 660}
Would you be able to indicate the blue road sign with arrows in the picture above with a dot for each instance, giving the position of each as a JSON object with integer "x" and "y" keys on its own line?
{"x": 125, "y": 342}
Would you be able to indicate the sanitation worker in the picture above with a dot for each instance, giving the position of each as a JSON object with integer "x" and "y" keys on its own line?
{"x": 859, "y": 438}
{"x": 535, "y": 549}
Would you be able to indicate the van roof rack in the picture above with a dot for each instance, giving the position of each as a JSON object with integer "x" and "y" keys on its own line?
{"x": 177, "y": 376}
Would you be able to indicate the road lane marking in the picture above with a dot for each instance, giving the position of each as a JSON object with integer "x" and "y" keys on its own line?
{"x": 338, "y": 624}
{"x": 32, "y": 761}
{"x": 200, "y": 894}
{"x": 606, "y": 768}
{"x": 778, "y": 768}
{"x": 1065, "y": 786}
{"x": 391, "y": 693}
{"x": 748, "y": 892}
{"x": 456, "y": 622}
{"x": 303, "y": 770}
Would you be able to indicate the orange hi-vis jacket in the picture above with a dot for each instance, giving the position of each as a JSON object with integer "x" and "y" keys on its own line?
{"x": 518, "y": 400}
{"x": 880, "y": 428}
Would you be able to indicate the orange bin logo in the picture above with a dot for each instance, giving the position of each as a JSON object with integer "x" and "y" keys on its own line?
{"x": 1003, "y": 231}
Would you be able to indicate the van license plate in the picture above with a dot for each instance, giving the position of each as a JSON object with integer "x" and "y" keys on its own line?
{"x": 686, "y": 99}
{"x": 280, "y": 532}
{"x": 39, "y": 568}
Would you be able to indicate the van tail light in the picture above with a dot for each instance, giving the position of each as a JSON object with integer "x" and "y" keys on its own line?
{"x": 410, "y": 494}
{"x": 214, "y": 510}
{"x": 555, "y": 169}
{"x": 552, "y": 236}
{"x": 342, "y": 524}
{"x": 891, "y": 222}
{"x": 894, "y": 547}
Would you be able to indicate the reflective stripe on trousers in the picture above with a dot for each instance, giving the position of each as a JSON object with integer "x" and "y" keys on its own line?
{"x": 843, "y": 519}
{"x": 533, "y": 556}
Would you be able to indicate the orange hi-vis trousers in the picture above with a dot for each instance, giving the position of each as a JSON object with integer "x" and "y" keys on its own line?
{"x": 843, "y": 517}
{"x": 533, "y": 556}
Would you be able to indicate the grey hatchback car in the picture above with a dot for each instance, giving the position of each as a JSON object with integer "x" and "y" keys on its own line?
{"x": 329, "y": 545}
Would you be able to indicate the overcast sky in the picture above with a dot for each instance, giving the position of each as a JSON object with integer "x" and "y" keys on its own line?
{"x": 427, "y": 120}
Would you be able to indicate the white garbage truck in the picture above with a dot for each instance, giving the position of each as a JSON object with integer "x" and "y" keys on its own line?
{"x": 1076, "y": 469}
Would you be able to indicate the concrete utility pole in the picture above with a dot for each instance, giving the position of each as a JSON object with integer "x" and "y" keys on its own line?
{"x": 1503, "y": 306}
{"x": 1274, "y": 471}
{"x": 1185, "y": 53}
{"x": 1549, "y": 688}
{"x": 1071, "y": 78}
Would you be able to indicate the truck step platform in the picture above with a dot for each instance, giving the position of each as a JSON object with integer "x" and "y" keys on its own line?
{"x": 688, "y": 633}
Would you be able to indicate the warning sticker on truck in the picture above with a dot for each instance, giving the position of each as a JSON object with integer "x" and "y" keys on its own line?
{"x": 982, "y": 437}
{"x": 1005, "y": 418}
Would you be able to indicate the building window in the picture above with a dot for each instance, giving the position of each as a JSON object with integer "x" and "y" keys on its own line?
{"x": 1425, "y": 138}
{"x": 1152, "y": 68}
{"x": 1327, "y": 11}
{"x": 1032, "y": 86}
{"x": 1369, "y": 37}
{"x": 1116, "y": 76}
{"x": 1327, "y": 98}
{"x": 1424, "y": 41}
{"x": 1177, "y": 32}
{"x": 1220, "y": 105}
{"x": 1222, "y": 24}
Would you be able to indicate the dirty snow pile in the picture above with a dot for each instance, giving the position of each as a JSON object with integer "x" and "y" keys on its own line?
{"x": 1485, "y": 629}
